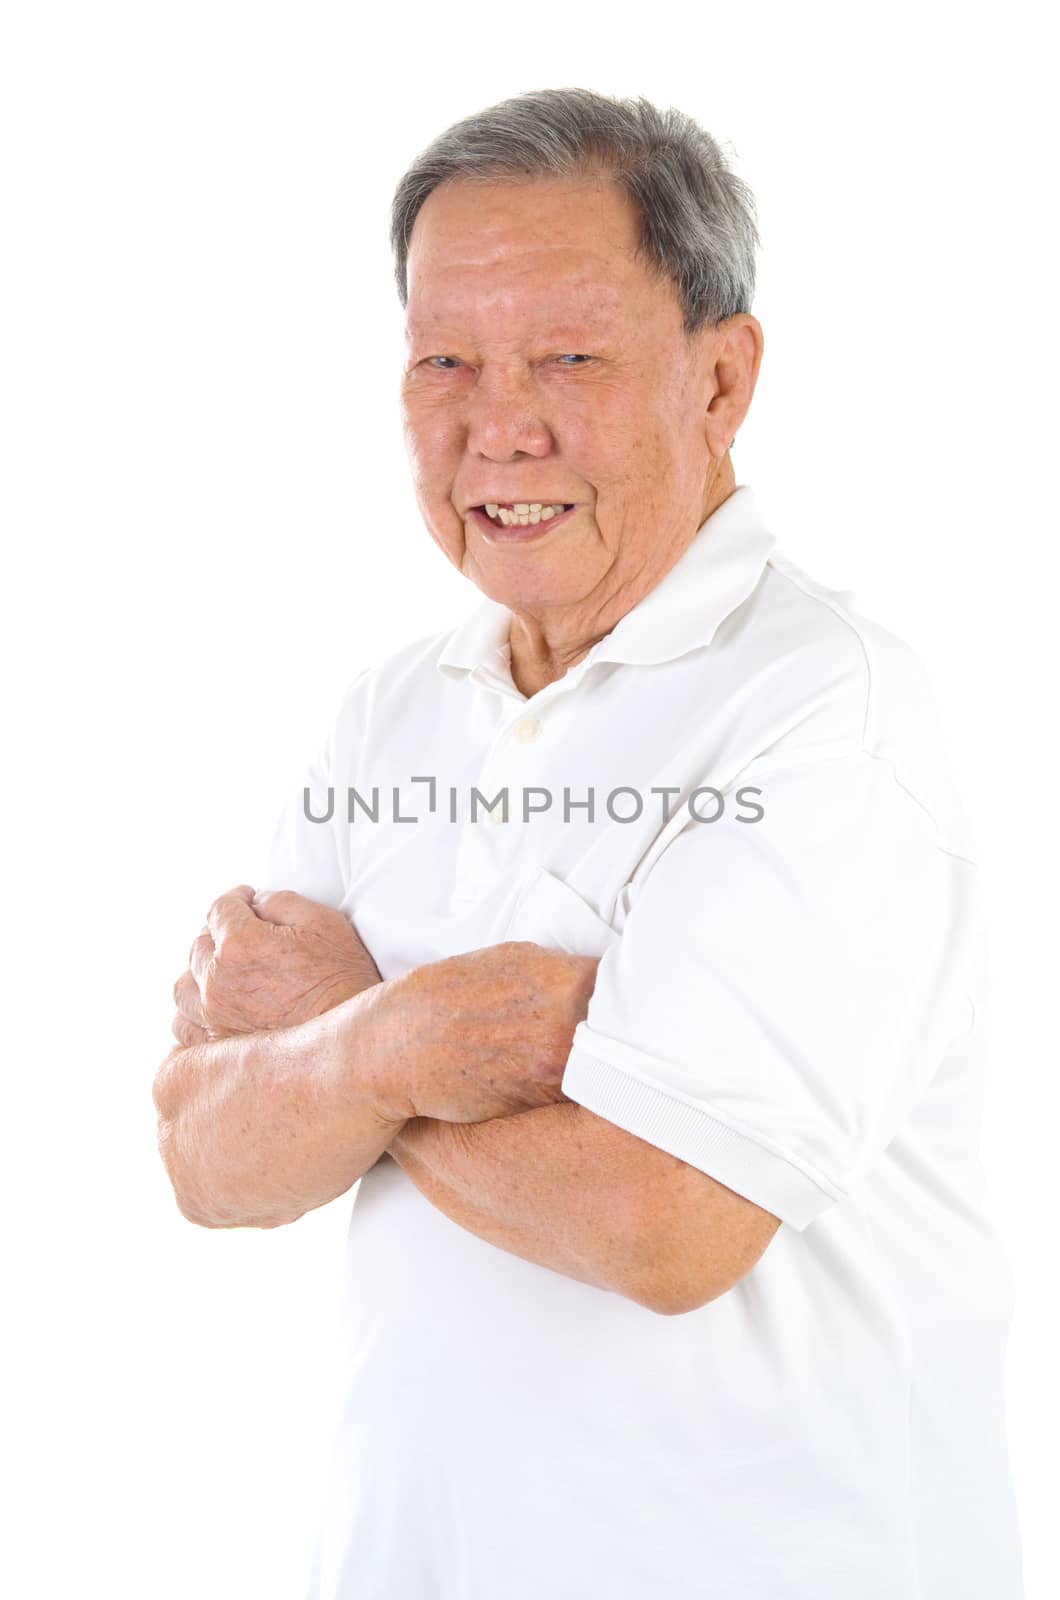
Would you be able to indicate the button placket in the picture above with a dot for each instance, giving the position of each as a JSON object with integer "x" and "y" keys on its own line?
{"x": 486, "y": 840}
{"x": 497, "y": 774}
{"x": 526, "y": 730}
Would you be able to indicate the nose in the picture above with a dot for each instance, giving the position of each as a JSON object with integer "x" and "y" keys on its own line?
{"x": 504, "y": 416}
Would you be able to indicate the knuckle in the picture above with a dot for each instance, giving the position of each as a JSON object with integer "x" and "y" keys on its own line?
{"x": 241, "y": 939}
{"x": 230, "y": 954}
{"x": 164, "y": 1089}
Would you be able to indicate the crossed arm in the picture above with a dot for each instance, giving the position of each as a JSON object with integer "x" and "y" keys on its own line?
{"x": 568, "y": 1190}
{"x": 260, "y": 1126}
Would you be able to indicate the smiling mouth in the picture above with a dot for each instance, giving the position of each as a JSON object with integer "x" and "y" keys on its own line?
{"x": 522, "y": 513}
{"x": 521, "y": 526}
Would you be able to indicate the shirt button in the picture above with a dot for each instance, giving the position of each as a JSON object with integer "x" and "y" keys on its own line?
{"x": 527, "y": 730}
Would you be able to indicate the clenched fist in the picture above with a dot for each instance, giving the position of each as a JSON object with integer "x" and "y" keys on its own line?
{"x": 267, "y": 961}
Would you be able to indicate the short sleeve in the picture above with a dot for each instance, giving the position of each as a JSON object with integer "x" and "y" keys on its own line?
{"x": 784, "y": 989}
{"x": 306, "y": 851}
{"x": 303, "y": 850}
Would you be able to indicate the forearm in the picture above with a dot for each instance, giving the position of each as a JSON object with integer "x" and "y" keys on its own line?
{"x": 257, "y": 1129}
{"x": 554, "y": 1185}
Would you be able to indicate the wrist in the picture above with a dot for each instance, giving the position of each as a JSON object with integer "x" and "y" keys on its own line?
{"x": 344, "y": 986}
{"x": 374, "y": 1048}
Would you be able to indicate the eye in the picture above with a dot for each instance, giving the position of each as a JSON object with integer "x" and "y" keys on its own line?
{"x": 574, "y": 358}
{"x": 431, "y": 359}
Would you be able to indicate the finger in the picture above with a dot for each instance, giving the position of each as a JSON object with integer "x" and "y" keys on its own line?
{"x": 285, "y": 907}
{"x": 188, "y": 1000}
{"x": 230, "y": 911}
{"x": 200, "y": 955}
{"x": 188, "y": 1033}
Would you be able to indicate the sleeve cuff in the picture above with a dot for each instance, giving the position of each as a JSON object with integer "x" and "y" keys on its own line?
{"x": 643, "y": 1105}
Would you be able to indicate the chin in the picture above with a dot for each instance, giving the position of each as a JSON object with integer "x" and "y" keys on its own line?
{"x": 524, "y": 592}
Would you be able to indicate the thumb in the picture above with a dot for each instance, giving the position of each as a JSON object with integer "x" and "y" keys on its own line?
{"x": 285, "y": 907}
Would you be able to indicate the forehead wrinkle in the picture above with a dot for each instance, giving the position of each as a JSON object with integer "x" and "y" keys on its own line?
{"x": 482, "y": 248}
{"x": 577, "y": 303}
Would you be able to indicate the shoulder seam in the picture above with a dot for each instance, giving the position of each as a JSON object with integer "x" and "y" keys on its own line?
{"x": 836, "y": 611}
{"x": 847, "y": 749}
{"x": 874, "y": 755}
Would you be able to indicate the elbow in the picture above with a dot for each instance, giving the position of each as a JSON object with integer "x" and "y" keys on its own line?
{"x": 662, "y": 1278}
{"x": 693, "y": 1248}
{"x": 656, "y": 1269}
{"x": 195, "y": 1203}
{"x": 194, "y": 1211}
{"x": 206, "y": 1219}
{"x": 189, "y": 1202}
{"x": 670, "y": 1273}
{"x": 200, "y": 1199}
{"x": 682, "y": 1274}
{"x": 671, "y": 1295}
{"x": 207, "y": 1213}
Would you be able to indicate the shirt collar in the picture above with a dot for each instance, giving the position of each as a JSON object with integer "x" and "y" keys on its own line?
{"x": 713, "y": 574}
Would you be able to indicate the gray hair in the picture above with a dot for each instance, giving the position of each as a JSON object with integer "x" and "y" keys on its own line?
{"x": 697, "y": 218}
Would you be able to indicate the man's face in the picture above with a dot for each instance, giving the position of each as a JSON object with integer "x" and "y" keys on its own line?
{"x": 546, "y": 364}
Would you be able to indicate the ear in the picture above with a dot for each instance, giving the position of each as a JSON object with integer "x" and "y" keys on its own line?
{"x": 736, "y": 349}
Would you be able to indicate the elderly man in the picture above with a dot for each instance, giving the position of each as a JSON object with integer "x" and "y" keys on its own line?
{"x": 622, "y": 941}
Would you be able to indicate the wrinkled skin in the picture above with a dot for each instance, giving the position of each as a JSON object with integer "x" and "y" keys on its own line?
{"x": 546, "y": 362}
{"x": 277, "y": 960}
{"x": 267, "y": 961}
{"x": 511, "y": 1009}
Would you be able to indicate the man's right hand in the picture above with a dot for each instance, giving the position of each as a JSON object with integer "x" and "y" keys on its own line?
{"x": 479, "y": 1035}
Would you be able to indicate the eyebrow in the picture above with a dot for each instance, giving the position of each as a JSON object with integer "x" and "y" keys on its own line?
{"x": 590, "y": 328}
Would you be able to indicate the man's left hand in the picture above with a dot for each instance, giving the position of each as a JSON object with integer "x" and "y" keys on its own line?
{"x": 266, "y": 961}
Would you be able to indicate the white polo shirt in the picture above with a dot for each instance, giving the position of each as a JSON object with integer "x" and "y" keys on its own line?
{"x": 789, "y": 998}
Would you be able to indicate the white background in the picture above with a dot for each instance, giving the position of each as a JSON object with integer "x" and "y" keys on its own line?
{"x": 209, "y": 528}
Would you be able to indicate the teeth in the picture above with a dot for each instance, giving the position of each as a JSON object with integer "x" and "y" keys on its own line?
{"x": 525, "y": 513}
